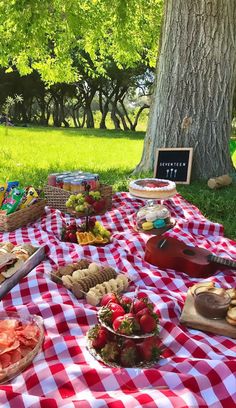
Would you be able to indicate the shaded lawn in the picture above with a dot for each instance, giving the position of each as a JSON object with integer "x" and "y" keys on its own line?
{"x": 30, "y": 154}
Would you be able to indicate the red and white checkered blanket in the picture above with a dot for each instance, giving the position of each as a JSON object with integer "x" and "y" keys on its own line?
{"x": 198, "y": 369}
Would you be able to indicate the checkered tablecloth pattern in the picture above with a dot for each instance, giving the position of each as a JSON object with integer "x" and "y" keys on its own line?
{"x": 197, "y": 370}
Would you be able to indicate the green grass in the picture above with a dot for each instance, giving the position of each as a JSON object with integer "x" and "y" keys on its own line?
{"x": 30, "y": 154}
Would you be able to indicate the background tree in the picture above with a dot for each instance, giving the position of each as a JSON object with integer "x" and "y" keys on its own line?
{"x": 195, "y": 81}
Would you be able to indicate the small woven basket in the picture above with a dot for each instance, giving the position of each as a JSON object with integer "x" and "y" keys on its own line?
{"x": 20, "y": 218}
{"x": 57, "y": 197}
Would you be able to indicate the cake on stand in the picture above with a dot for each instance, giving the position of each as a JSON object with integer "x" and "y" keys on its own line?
{"x": 154, "y": 217}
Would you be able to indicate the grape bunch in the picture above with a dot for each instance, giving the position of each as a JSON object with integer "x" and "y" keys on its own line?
{"x": 90, "y": 203}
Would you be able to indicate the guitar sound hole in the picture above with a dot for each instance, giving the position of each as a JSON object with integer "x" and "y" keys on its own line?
{"x": 188, "y": 252}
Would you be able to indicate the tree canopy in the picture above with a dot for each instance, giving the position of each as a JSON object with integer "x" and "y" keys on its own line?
{"x": 49, "y": 35}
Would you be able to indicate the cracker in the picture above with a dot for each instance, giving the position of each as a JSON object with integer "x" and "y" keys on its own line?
{"x": 231, "y": 314}
{"x": 2, "y": 278}
{"x": 206, "y": 284}
{"x": 231, "y": 321}
{"x": 231, "y": 292}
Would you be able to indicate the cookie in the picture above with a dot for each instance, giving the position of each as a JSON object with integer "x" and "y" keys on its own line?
{"x": 65, "y": 270}
{"x": 230, "y": 321}
{"x": 203, "y": 284}
{"x": 146, "y": 226}
{"x": 231, "y": 314}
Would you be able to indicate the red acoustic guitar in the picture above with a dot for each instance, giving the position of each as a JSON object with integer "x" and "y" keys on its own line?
{"x": 169, "y": 253}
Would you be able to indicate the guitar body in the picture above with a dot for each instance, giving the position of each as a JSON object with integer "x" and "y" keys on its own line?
{"x": 169, "y": 253}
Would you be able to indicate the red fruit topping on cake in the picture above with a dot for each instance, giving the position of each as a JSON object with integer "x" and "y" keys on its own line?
{"x": 149, "y": 349}
{"x": 98, "y": 336}
{"x": 153, "y": 184}
{"x": 147, "y": 323}
{"x": 110, "y": 312}
{"x": 110, "y": 352}
{"x": 127, "y": 324}
{"x": 129, "y": 354}
{"x": 109, "y": 298}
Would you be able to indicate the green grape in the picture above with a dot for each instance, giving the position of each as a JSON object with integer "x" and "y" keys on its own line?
{"x": 73, "y": 198}
{"x": 106, "y": 233}
{"x": 79, "y": 208}
{"x": 80, "y": 200}
{"x": 69, "y": 203}
{"x": 78, "y": 196}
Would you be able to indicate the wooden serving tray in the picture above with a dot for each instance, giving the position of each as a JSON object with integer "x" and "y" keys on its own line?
{"x": 28, "y": 265}
{"x": 191, "y": 318}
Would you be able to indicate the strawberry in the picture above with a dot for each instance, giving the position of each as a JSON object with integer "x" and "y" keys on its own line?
{"x": 142, "y": 295}
{"x": 72, "y": 237}
{"x": 129, "y": 354}
{"x": 142, "y": 312}
{"x": 98, "y": 336}
{"x": 110, "y": 312}
{"x": 125, "y": 302}
{"x": 108, "y": 298}
{"x": 149, "y": 349}
{"x": 126, "y": 324}
{"x": 110, "y": 352}
{"x": 142, "y": 303}
{"x": 147, "y": 323}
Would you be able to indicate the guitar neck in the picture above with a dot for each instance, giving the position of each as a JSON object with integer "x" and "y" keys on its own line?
{"x": 222, "y": 261}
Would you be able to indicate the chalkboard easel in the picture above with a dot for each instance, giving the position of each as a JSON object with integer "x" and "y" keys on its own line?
{"x": 174, "y": 164}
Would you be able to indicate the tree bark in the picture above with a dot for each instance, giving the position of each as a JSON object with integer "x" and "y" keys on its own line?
{"x": 193, "y": 98}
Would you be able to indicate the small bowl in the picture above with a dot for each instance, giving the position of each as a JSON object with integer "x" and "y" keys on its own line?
{"x": 212, "y": 303}
{"x": 25, "y": 318}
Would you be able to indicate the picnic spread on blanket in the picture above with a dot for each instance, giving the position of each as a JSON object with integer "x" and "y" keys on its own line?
{"x": 117, "y": 300}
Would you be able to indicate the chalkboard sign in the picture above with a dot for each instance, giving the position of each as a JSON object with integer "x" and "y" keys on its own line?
{"x": 174, "y": 164}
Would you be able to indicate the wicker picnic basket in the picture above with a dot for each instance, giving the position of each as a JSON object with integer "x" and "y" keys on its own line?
{"x": 22, "y": 217}
{"x": 56, "y": 198}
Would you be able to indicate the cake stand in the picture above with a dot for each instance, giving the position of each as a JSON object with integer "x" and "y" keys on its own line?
{"x": 150, "y": 203}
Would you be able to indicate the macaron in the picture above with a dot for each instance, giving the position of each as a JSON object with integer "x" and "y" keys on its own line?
{"x": 147, "y": 226}
{"x": 159, "y": 223}
{"x": 150, "y": 216}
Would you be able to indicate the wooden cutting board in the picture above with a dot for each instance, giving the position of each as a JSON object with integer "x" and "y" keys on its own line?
{"x": 191, "y": 318}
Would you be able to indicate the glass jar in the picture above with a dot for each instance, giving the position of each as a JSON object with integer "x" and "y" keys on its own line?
{"x": 52, "y": 179}
{"x": 67, "y": 183}
{"x": 212, "y": 303}
{"x": 77, "y": 186}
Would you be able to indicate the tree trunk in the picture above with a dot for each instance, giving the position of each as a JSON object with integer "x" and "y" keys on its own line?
{"x": 89, "y": 116}
{"x": 192, "y": 103}
{"x": 145, "y": 106}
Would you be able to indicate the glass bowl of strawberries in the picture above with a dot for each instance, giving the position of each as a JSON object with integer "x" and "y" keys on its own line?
{"x": 131, "y": 318}
{"x": 118, "y": 351}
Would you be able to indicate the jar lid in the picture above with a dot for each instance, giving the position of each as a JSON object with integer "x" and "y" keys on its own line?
{"x": 68, "y": 179}
{"x": 77, "y": 182}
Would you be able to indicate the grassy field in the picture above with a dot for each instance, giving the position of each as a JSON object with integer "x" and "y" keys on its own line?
{"x": 30, "y": 154}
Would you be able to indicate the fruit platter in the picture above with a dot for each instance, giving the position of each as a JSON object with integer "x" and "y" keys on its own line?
{"x": 21, "y": 338}
{"x": 89, "y": 232}
{"x": 88, "y": 202}
{"x": 130, "y": 318}
{"x": 89, "y": 280}
{"x": 127, "y": 332}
